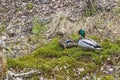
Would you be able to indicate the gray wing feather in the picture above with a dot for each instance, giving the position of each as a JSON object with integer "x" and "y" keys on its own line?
{"x": 89, "y": 42}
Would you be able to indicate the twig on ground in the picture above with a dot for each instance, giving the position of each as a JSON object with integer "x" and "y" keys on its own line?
{"x": 20, "y": 76}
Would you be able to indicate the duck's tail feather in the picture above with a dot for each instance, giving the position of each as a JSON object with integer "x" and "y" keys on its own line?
{"x": 98, "y": 47}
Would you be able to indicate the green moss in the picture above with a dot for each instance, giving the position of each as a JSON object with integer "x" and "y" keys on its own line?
{"x": 116, "y": 10}
{"x": 118, "y": 42}
{"x": 75, "y": 37}
{"x": 2, "y": 28}
{"x": 17, "y": 9}
{"x": 29, "y": 6}
{"x": 4, "y": 10}
{"x": 108, "y": 77}
{"x": 38, "y": 27}
{"x": 51, "y": 56}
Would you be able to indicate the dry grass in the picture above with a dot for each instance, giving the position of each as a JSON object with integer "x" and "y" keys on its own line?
{"x": 104, "y": 24}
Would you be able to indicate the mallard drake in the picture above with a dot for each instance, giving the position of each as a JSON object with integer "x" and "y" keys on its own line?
{"x": 65, "y": 41}
{"x": 87, "y": 43}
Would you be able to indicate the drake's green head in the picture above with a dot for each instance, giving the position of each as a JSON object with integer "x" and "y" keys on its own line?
{"x": 82, "y": 33}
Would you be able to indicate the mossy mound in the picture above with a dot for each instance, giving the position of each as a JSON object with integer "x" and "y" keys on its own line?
{"x": 73, "y": 63}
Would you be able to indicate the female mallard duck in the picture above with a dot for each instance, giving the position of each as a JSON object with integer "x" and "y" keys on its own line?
{"x": 65, "y": 41}
{"x": 87, "y": 43}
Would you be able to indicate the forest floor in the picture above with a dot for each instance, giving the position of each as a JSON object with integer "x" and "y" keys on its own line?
{"x": 30, "y": 42}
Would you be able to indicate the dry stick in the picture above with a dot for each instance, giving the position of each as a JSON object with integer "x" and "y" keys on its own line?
{"x": 13, "y": 75}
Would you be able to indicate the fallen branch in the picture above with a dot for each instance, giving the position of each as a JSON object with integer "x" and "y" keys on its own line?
{"x": 19, "y": 76}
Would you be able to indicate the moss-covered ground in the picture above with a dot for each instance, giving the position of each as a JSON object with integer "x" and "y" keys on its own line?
{"x": 73, "y": 63}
